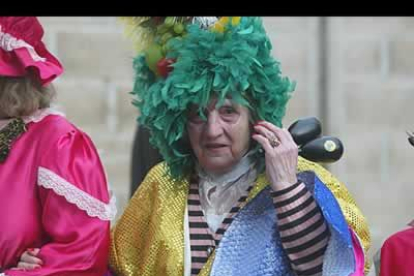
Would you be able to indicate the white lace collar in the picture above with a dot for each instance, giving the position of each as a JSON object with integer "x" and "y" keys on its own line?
{"x": 35, "y": 117}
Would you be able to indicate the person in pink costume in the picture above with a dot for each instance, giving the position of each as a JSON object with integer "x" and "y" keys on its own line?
{"x": 53, "y": 189}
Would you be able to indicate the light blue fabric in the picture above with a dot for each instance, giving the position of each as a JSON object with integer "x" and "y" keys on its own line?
{"x": 251, "y": 245}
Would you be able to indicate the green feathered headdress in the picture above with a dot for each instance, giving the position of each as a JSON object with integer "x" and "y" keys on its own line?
{"x": 189, "y": 60}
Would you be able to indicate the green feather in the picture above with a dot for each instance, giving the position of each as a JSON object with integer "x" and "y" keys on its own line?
{"x": 236, "y": 64}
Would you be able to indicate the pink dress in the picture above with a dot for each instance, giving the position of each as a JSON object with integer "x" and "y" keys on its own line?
{"x": 54, "y": 196}
{"x": 397, "y": 254}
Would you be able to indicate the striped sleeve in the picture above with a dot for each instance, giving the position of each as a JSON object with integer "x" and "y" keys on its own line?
{"x": 303, "y": 231}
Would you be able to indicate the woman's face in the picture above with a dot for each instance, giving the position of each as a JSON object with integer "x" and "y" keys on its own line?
{"x": 220, "y": 141}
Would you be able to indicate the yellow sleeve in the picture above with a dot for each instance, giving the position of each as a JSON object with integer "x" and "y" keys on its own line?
{"x": 130, "y": 231}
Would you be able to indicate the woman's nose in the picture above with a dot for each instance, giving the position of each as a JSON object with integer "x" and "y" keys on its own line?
{"x": 213, "y": 125}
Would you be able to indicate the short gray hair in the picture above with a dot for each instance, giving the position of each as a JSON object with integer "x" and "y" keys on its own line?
{"x": 21, "y": 96}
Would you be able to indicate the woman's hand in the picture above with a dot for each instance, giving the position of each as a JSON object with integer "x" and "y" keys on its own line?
{"x": 281, "y": 154}
{"x": 29, "y": 260}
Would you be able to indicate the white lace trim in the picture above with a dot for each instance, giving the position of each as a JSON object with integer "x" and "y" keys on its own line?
{"x": 92, "y": 206}
{"x": 36, "y": 117}
{"x": 40, "y": 114}
{"x": 10, "y": 43}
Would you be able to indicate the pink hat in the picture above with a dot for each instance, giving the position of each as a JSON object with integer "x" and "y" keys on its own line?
{"x": 21, "y": 48}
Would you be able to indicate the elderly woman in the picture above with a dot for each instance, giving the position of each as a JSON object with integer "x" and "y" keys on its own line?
{"x": 53, "y": 190}
{"x": 232, "y": 197}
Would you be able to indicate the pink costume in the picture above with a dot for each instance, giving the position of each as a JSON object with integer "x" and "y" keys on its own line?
{"x": 54, "y": 196}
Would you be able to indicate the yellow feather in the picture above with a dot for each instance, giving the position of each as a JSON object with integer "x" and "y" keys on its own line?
{"x": 140, "y": 36}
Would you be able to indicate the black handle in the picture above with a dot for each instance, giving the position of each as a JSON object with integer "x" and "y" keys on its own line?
{"x": 305, "y": 130}
{"x": 306, "y": 134}
{"x": 326, "y": 149}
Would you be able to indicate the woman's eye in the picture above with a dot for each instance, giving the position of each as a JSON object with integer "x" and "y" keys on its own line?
{"x": 229, "y": 114}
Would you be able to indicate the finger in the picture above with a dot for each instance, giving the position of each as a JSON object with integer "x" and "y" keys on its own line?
{"x": 262, "y": 140}
{"x": 273, "y": 139}
{"x": 27, "y": 258}
{"x": 265, "y": 132}
{"x": 33, "y": 251}
{"x": 27, "y": 266}
{"x": 288, "y": 136}
{"x": 276, "y": 130}
{"x": 282, "y": 133}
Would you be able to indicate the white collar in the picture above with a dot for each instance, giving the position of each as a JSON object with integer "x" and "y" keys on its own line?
{"x": 35, "y": 117}
{"x": 244, "y": 165}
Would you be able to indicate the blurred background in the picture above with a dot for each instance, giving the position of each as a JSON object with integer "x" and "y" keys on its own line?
{"x": 354, "y": 73}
